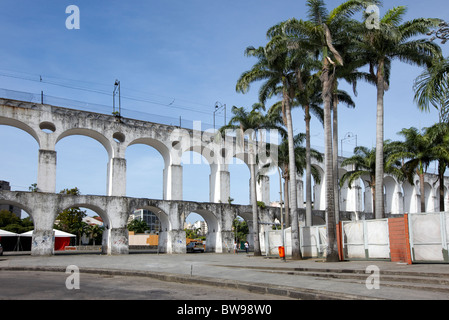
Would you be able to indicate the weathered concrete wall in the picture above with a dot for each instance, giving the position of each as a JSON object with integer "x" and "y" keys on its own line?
{"x": 44, "y": 207}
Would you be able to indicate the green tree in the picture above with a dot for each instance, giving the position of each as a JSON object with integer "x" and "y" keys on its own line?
{"x": 322, "y": 34}
{"x": 241, "y": 230}
{"x": 432, "y": 88}
{"x": 10, "y": 222}
{"x": 138, "y": 226}
{"x": 7, "y": 218}
{"x": 393, "y": 40}
{"x": 439, "y": 139}
{"x": 364, "y": 166}
{"x": 418, "y": 151}
{"x": 71, "y": 220}
{"x": 95, "y": 232}
{"x": 300, "y": 164}
{"x": 249, "y": 123}
{"x": 278, "y": 78}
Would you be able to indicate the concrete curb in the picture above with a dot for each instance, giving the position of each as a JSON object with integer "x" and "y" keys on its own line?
{"x": 262, "y": 288}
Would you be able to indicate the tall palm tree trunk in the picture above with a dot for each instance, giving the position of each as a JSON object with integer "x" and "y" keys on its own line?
{"x": 335, "y": 156}
{"x": 296, "y": 249}
{"x": 379, "y": 207}
{"x": 308, "y": 169}
{"x": 332, "y": 249}
{"x": 286, "y": 201}
{"x": 256, "y": 240}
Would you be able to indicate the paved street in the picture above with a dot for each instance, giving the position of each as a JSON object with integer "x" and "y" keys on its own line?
{"x": 43, "y": 285}
{"x": 307, "y": 279}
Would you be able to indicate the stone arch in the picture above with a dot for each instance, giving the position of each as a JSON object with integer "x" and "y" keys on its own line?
{"x": 318, "y": 190}
{"x": 410, "y": 198}
{"x": 247, "y": 215}
{"x": 89, "y": 133}
{"x": 85, "y": 204}
{"x": 97, "y": 170}
{"x": 429, "y": 197}
{"x": 153, "y": 172}
{"x": 343, "y": 191}
{"x": 17, "y": 204}
{"x": 213, "y": 235}
{"x": 193, "y": 161}
{"x": 389, "y": 194}
{"x": 80, "y": 202}
{"x": 165, "y": 225}
{"x": 163, "y": 150}
{"x": 161, "y": 215}
{"x": 368, "y": 205}
{"x": 22, "y": 126}
{"x": 20, "y": 151}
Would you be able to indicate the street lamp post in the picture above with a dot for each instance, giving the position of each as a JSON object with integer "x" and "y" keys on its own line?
{"x": 348, "y": 136}
{"x": 219, "y": 106}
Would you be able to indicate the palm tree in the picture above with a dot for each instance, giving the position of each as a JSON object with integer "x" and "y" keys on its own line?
{"x": 300, "y": 164}
{"x": 439, "y": 140}
{"x": 308, "y": 97}
{"x": 393, "y": 40}
{"x": 253, "y": 120}
{"x": 94, "y": 231}
{"x": 138, "y": 226}
{"x": 276, "y": 72}
{"x": 417, "y": 148}
{"x": 364, "y": 167}
{"x": 432, "y": 88}
{"x": 322, "y": 34}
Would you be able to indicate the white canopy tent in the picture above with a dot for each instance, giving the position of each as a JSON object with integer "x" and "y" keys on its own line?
{"x": 62, "y": 239}
{"x": 4, "y": 233}
{"x": 58, "y": 234}
{"x": 9, "y": 240}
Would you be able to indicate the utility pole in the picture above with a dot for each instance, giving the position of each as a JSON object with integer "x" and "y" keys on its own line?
{"x": 116, "y": 89}
{"x": 219, "y": 106}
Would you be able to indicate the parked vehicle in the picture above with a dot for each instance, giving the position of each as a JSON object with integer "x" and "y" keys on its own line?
{"x": 195, "y": 247}
{"x": 1, "y": 250}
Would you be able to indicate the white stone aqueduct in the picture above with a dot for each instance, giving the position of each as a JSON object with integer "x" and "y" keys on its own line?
{"x": 49, "y": 124}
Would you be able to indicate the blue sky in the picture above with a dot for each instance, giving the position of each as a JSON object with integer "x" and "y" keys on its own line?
{"x": 185, "y": 53}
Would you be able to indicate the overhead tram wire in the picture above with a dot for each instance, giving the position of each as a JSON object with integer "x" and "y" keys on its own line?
{"x": 107, "y": 93}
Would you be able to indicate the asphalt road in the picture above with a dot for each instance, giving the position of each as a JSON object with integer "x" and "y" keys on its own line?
{"x": 44, "y": 285}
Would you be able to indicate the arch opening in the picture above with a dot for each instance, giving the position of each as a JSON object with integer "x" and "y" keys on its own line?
{"x": 145, "y": 172}
{"x": 16, "y": 219}
{"x": 81, "y": 163}
{"x": 239, "y": 176}
{"x": 203, "y": 226}
{"x": 18, "y": 164}
{"x": 196, "y": 173}
{"x": 148, "y": 227}
{"x": 240, "y": 229}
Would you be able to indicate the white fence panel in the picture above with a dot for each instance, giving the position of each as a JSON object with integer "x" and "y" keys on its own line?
{"x": 366, "y": 239}
{"x": 313, "y": 242}
{"x": 429, "y": 236}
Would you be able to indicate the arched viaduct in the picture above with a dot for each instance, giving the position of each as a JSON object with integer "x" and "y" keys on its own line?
{"x": 44, "y": 208}
{"x": 49, "y": 124}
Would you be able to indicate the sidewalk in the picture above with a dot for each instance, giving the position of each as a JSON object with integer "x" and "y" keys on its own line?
{"x": 305, "y": 279}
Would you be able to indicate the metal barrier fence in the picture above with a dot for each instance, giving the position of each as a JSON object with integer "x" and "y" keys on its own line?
{"x": 99, "y": 108}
